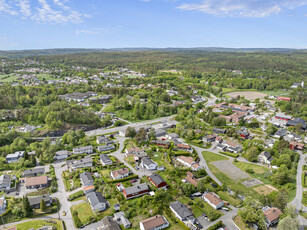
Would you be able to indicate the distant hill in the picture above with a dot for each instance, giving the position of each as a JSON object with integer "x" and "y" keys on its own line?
{"x": 25, "y": 53}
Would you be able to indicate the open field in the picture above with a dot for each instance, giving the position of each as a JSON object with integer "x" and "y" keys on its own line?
{"x": 252, "y": 182}
{"x": 35, "y": 224}
{"x": 264, "y": 189}
{"x": 229, "y": 169}
{"x": 249, "y": 95}
{"x": 84, "y": 212}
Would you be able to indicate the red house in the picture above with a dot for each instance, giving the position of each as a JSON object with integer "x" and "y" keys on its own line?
{"x": 295, "y": 145}
{"x": 158, "y": 181}
{"x": 284, "y": 99}
{"x": 165, "y": 144}
{"x": 135, "y": 191}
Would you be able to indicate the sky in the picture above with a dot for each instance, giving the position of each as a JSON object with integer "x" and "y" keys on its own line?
{"x": 45, "y": 24}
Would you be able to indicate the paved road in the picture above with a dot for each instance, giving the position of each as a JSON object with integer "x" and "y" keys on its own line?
{"x": 102, "y": 131}
{"x": 297, "y": 202}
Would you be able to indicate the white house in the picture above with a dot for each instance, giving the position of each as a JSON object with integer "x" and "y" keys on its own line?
{"x": 147, "y": 163}
{"x": 214, "y": 200}
{"x": 119, "y": 174}
{"x": 5, "y": 182}
{"x": 14, "y": 157}
{"x": 97, "y": 201}
{"x": 61, "y": 155}
{"x": 83, "y": 149}
{"x": 265, "y": 158}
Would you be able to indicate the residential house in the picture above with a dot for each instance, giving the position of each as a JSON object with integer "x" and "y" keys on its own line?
{"x": 61, "y": 155}
{"x": 214, "y": 200}
{"x": 272, "y": 216}
{"x": 147, "y": 163}
{"x": 34, "y": 172}
{"x": 283, "y": 98}
{"x": 282, "y": 117}
{"x": 297, "y": 121}
{"x": 296, "y": 146}
{"x": 160, "y": 132}
{"x": 221, "y": 147}
{"x": 171, "y": 136}
{"x": 5, "y": 182}
{"x": 163, "y": 143}
{"x": 243, "y": 134}
{"x": 135, "y": 191}
{"x": 280, "y": 133}
{"x": 2, "y": 204}
{"x": 154, "y": 223}
{"x": 122, "y": 220}
{"x": 97, "y": 201}
{"x": 35, "y": 201}
{"x": 120, "y": 173}
{"x": 108, "y": 224}
{"x": 88, "y": 189}
{"x": 219, "y": 131}
{"x": 134, "y": 150}
{"x": 104, "y": 140}
{"x": 83, "y": 149}
{"x": 181, "y": 212}
{"x": 82, "y": 163}
{"x": 86, "y": 179}
{"x": 188, "y": 162}
{"x": 184, "y": 147}
{"x": 265, "y": 158}
{"x": 139, "y": 155}
{"x": 157, "y": 181}
{"x": 209, "y": 138}
{"x": 103, "y": 148}
{"x": 14, "y": 157}
{"x": 191, "y": 179}
{"x": 105, "y": 160}
{"x": 36, "y": 182}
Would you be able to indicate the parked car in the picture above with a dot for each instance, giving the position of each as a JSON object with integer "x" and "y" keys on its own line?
{"x": 64, "y": 213}
{"x": 133, "y": 180}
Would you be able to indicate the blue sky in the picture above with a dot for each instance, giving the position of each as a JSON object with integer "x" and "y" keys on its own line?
{"x": 36, "y": 24}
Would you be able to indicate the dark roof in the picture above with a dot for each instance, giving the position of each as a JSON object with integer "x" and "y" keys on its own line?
{"x": 267, "y": 155}
{"x": 297, "y": 121}
{"x": 34, "y": 171}
{"x": 86, "y": 178}
{"x": 147, "y": 161}
{"x": 281, "y": 132}
{"x": 136, "y": 189}
{"x": 109, "y": 224}
{"x": 95, "y": 198}
{"x": 105, "y": 158}
{"x": 156, "y": 178}
{"x": 181, "y": 210}
{"x": 37, "y": 199}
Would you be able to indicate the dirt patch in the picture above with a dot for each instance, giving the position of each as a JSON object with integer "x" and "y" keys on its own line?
{"x": 249, "y": 95}
{"x": 251, "y": 183}
{"x": 230, "y": 170}
{"x": 265, "y": 189}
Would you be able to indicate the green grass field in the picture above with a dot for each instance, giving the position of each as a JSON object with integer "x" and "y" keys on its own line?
{"x": 8, "y": 77}
{"x": 225, "y": 196}
{"x": 84, "y": 212}
{"x": 35, "y": 224}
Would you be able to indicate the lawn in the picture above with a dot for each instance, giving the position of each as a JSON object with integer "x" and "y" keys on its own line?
{"x": 35, "y": 224}
{"x": 225, "y": 196}
{"x": 240, "y": 223}
{"x": 210, "y": 157}
{"x": 8, "y": 77}
{"x": 84, "y": 212}
{"x": 263, "y": 190}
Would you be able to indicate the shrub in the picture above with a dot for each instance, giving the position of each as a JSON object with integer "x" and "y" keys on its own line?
{"x": 251, "y": 171}
{"x": 215, "y": 226}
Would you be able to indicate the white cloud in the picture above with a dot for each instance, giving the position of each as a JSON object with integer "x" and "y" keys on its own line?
{"x": 43, "y": 11}
{"x": 86, "y": 32}
{"x": 243, "y": 8}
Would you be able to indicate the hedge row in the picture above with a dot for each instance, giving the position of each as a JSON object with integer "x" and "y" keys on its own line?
{"x": 76, "y": 195}
{"x": 215, "y": 226}
{"x": 235, "y": 155}
{"x": 123, "y": 179}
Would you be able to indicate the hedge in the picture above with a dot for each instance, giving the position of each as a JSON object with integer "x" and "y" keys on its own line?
{"x": 235, "y": 155}
{"x": 215, "y": 226}
{"x": 182, "y": 224}
{"x": 76, "y": 195}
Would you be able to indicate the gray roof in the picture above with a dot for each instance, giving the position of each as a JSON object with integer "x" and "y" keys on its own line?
{"x": 181, "y": 210}
{"x": 147, "y": 161}
{"x": 61, "y": 153}
{"x": 95, "y": 198}
{"x": 105, "y": 147}
{"x": 156, "y": 178}
{"x": 5, "y": 180}
{"x": 105, "y": 158}
{"x": 81, "y": 161}
{"x": 136, "y": 189}
{"x": 86, "y": 178}
{"x": 109, "y": 224}
{"x": 34, "y": 171}
{"x": 83, "y": 148}
{"x": 34, "y": 200}
{"x": 267, "y": 155}
{"x": 281, "y": 132}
